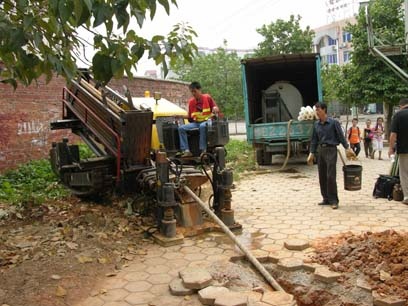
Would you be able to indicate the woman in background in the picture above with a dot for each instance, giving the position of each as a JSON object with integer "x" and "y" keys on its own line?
{"x": 378, "y": 137}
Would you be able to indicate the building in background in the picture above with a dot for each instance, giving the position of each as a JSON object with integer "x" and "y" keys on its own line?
{"x": 333, "y": 42}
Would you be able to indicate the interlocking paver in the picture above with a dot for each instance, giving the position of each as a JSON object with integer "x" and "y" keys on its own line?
{"x": 277, "y": 298}
{"x": 156, "y": 279}
{"x": 325, "y": 275}
{"x": 208, "y": 295}
{"x": 115, "y": 295}
{"x": 195, "y": 278}
{"x": 296, "y": 244}
{"x": 138, "y": 286}
{"x": 290, "y": 264}
{"x": 231, "y": 299}
{"x": 380, "y": 300}
{"x": 137, "y": 298}
{"x": 177, "y": 288}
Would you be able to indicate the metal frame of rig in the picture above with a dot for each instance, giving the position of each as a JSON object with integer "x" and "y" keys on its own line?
{"x": 120, "y": 137}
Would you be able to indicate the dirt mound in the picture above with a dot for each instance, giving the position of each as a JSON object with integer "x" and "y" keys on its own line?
{"x": 381, "y": 258}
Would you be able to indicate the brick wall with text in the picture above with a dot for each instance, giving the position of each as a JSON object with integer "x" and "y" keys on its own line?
{"x": 25, "y": 115}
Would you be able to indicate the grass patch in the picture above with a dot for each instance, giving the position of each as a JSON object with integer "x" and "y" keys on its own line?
{"x": 240, "y": 157}
{"x": 34, "y": 182}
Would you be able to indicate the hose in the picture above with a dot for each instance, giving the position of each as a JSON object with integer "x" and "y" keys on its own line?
{"x": 227, "y": 231}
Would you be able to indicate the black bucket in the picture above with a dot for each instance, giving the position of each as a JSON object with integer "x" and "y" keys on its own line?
{"x": 352, "y": 177}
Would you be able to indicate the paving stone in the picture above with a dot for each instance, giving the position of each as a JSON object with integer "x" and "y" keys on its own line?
{"x": 137, "y": 298}
{"x": 379, "y": 300}
{"x": 231, "y": 299}
{"x": 177, "y": 288}
{"x": 138, "y": 286}
{"x": 290, "y": 264}
{"x": 325, "y": 275}
{"x": 253, "y": 296}
{"x": 274, "y": 257}
{"x": 296, "y": 244}
{"x": 156, "y": 279}
{"x": 261, "y": 255}
{"x": 115, "y": 295}
{"x": 311, "y": 266}
{"x": 277, "y": 298}
{"x": 195, "y": 278}
{"x": 208, "y": 295}
{"x": 363, "y": 284}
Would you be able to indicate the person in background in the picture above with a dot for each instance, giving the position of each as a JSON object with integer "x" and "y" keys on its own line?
{"x": 378, "y": 138}
{"x": 398, "y": 136}
{"x": 327, "y": 135}
{"x": 354, "y": 137}
{"x": 368, "y": 139}
{"x": 201, "y": 108}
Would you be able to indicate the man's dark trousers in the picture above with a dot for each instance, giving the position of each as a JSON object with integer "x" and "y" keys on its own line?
{"x": 327, "y": 161}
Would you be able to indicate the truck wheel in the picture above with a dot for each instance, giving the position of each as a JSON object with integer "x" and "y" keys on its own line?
{"x": 263, "y": 158}
{"x": 267, "y": 158}
{"x": 259, "y": 156}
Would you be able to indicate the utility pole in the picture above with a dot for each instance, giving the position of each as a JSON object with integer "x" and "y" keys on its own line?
{"x": 406, "y": 22}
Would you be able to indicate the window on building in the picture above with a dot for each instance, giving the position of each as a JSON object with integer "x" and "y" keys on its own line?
{"x": 346, "y": 36}
{"x": 331, "y": 41}
{"x": 346, "y": 56}
{"x": 331, "y": 59}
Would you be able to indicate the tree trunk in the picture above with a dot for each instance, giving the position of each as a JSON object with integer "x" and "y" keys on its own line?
{"x": 387, "y": 119}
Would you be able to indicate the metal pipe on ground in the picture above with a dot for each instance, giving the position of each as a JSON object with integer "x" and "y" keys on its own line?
{"x": 227, "y": 231}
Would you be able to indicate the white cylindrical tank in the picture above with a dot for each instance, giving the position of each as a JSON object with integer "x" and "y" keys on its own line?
{"x": 290, "y": 95}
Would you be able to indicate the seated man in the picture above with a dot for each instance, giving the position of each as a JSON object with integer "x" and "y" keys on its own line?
{"x": 201, "y": 107}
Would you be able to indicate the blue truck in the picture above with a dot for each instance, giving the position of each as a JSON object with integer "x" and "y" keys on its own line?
{"x": 275, "y": 88}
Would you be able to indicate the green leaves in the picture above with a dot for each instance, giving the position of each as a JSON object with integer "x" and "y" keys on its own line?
{"x": 220, "y": 76}
{"x": 41, "y": 37}
{"x": 33, "y": 182}
{"x": 376, "y": 81}
{"x": 284, "y": 37}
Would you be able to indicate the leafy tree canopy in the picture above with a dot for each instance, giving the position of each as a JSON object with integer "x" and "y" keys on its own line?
{"x": 376, "y": 81}
{"x": 220, "y": 76}
{"x": 283, "y": 37}
{"x": 41, "y": 37}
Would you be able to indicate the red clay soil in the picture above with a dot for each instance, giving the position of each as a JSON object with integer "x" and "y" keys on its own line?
{"x": 381, "y": 257}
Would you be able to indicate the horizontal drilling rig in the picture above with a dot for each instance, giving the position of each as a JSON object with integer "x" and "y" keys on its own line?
{"x": 119, "y": 132}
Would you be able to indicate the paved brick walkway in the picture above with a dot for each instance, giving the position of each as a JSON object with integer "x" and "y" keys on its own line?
{"x": 272, "y": 208}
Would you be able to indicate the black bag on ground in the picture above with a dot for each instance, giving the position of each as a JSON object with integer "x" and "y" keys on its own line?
{"x": 384, "y": 186}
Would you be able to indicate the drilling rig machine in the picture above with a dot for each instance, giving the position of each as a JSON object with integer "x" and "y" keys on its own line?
{"x": 119, "y": 132}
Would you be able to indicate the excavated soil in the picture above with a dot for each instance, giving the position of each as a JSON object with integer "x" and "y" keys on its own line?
{"x": 380, "y": 259}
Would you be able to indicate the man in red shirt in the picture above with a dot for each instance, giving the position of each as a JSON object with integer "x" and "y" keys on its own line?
{"x": 201, "y": 108}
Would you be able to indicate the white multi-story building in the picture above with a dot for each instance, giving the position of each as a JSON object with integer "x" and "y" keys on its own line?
{"x": 333, "y": 42}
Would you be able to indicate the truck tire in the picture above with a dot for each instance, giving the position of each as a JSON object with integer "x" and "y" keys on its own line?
{"x": 267, "y": 158}
{"x": 263, "y": 158}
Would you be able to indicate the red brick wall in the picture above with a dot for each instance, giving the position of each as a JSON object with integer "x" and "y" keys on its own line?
{"x": 25, "y": 115}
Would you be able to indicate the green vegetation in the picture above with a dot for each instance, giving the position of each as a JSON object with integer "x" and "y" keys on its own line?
{"x": 48, "y": 37}
{"x": 240, "y": 157}
{"x": 33, "y": 182}
{"x": 283, "y": 37}
{"x": 220, "y": 76}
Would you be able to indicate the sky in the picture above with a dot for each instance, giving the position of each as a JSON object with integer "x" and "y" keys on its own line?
{"x": 235, "y": 21}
